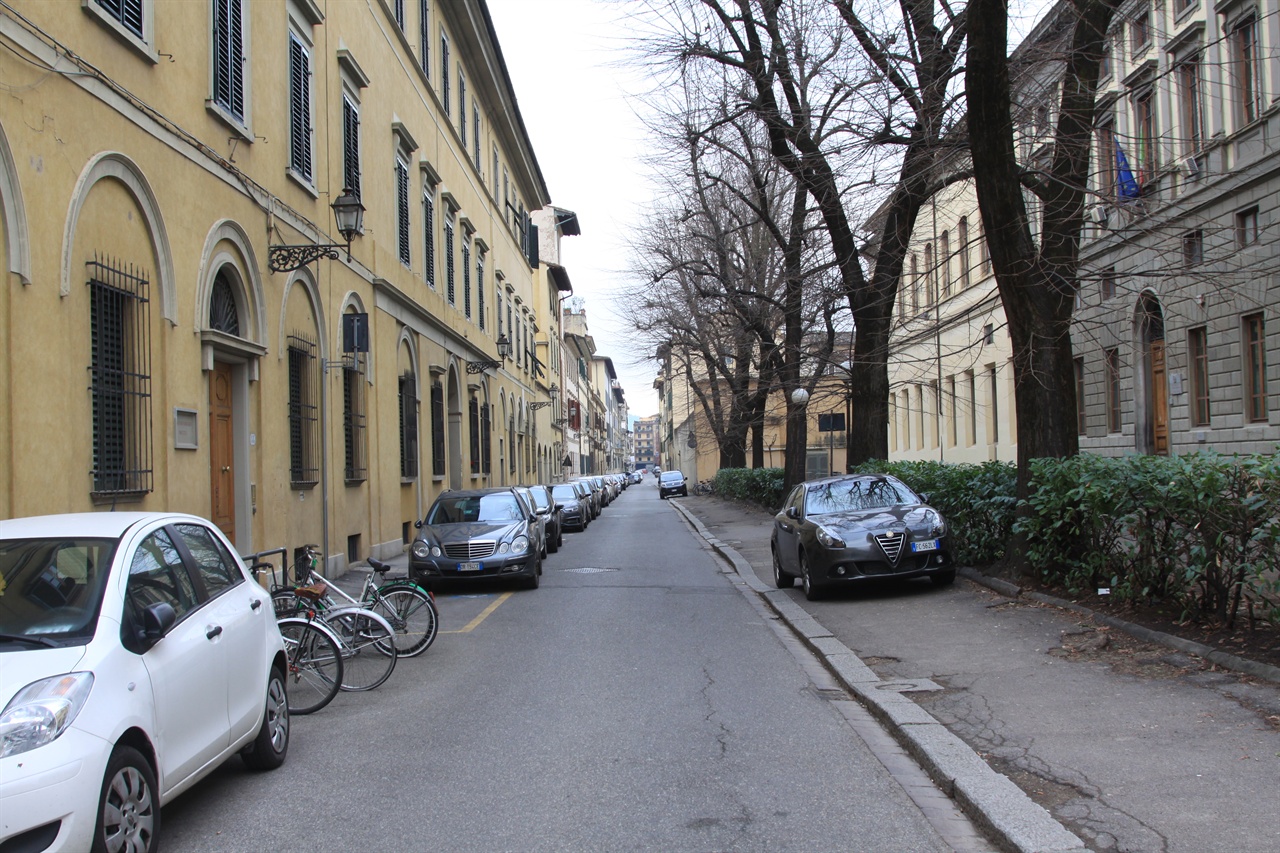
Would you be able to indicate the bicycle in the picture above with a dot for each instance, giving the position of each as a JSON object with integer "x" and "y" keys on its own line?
{"x": 706, "y": 487}
{"x": 315, "y": 663}
{"x": 366, "y": 639}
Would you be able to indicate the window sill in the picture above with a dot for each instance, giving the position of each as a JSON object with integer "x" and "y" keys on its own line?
{"x": 303, "y": 485}
{"x": 355, "y": 481}
{"x": 408, "y": 481}
{"x": 307, "y": 187}
{"x": 238, "y": 126}
{"x": 109, "y": 498}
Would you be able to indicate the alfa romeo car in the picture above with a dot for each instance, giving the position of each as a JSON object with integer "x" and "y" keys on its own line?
{"x": 840, "y": 531}
{"x": 136, "y": 655}
{"x": 478, "y": 533}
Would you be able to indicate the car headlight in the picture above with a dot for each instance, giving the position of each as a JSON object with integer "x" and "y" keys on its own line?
{"x": 828, "y": 539}
{"x": 421, "y": 549}
{"x": 520, "y": 544}
{"x": 42, "y": 711}
{"x": 937, "y": 525}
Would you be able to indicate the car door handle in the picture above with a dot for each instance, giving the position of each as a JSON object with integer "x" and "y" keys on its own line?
{"x": 215, "y": 631}
{"x": 255, "y": 604}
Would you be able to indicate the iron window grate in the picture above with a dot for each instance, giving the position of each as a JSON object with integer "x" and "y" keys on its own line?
{"x": 304, "y": 444}
{"x": 120, "y": 374}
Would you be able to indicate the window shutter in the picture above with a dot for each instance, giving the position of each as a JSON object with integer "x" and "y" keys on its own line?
{"x": 402, "y": 209}
{"x": 429, "y": 241}
{"x": 531, "y": 241}
{"x": 424, "y": 33}
{"x": 299, "y": 109}
{"x": 228, "y": 59}
{"x": 351, "y": 148}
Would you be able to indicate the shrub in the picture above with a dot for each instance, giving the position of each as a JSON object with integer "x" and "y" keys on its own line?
{"x": 762, "y": 486}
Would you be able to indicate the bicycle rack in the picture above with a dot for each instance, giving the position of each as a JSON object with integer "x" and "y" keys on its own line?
{"x": 256, "y": 564}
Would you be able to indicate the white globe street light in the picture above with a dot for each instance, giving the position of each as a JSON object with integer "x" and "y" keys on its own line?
{"x": 800, "y": 396}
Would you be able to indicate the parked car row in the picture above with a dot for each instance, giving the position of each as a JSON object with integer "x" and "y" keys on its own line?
{"x": 505, "y": 532}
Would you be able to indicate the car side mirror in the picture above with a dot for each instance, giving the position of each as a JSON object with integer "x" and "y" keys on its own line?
{"x": 793, "y": 512}
{"x": 417, "y": 525}
{"x": 559, "y": 507}
{"x": 924, "y": 497}
{"x": 157, "y": 619}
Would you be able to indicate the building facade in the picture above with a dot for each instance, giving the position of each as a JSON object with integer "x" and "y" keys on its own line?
{"x": 165, "y": 179}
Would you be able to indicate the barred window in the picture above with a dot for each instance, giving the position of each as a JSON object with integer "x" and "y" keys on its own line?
{"x": 437, "y": 430}
{"x": 304, "y": 395}
{"x": 473, "y": 424}
{"x": 121, "y": 378}
{"x": 408, "y": 427}
{"x": 1198, "y": 356}
{"x": 228, "y": 51}
{"x": 486, "y": 439}
{"x": 354, "y": 422}
{"x": 462, "y": 108}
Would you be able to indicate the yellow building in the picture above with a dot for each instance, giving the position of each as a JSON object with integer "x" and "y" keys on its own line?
{"x": 160, "y": 351}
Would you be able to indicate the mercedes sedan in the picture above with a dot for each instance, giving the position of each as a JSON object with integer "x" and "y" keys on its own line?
{"x": 478, "y": 533}
{"x": 840, "y": 531}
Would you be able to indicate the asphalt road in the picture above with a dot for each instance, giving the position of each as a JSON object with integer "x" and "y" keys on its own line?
{"x": 637, "y": 701}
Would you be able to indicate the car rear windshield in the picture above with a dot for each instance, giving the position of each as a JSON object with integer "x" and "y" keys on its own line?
{"x": 492, "y": 508}
{"x": 846, "y": 495}
{"x": 52, "y": 588}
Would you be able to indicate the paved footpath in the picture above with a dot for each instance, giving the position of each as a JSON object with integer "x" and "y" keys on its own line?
{"x": 1054, "y": 730}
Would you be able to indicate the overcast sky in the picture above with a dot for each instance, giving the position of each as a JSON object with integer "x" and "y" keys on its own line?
{"x": 563, "y": 58}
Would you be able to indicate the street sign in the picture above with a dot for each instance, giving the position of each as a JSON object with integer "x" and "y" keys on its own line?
{"x": 833, "y": 422}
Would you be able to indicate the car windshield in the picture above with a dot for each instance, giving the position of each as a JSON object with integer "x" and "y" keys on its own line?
{"x": 540, "y": 499}
{"x": 671, "y": 477}
{"x": 846, "y": 495}
{"x": 498, "y": 507}
{"x": 52, "y": 588}
{"x": 564, "y": 492}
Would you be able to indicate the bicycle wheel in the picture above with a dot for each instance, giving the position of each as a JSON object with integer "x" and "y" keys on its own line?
{"x": 285, "y": 603}
{"x": 315, "y": 665}
{"x": 368, "y": 648}
{"x": 412, "y": 614}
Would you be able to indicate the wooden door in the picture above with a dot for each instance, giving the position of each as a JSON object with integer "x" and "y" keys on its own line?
{"x": 1159, "y": 401}
{"x": 222, "y": 451}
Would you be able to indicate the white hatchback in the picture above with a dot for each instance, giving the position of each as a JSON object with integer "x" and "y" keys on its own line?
{"x": 136, "y": 654}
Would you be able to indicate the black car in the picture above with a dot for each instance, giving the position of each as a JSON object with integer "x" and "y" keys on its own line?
{"x": 575, "y": 506}
{"x": 553, "y": 511}
{"x": 477, "y": 533}
{"x": 672, "y": 483}
{"x": 842, "y": 531}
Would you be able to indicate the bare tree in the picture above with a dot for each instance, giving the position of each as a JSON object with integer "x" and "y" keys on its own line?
{"x": 1038, "y": 279}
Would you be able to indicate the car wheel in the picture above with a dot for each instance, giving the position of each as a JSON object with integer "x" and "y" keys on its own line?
{"x": 781, "y": 579}
{"x": 812, "y": 591}
{"x": 560, "y": 537}
{"x": 129, "y": 806}
{"x": 944, "y": 578}
{"x": 269, "y": 748}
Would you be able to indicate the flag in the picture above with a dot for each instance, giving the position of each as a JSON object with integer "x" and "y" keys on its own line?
{"x": 1127, "y": 184}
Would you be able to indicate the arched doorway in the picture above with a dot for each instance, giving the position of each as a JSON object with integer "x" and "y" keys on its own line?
{"x": 453, "y": 401}
{"x": 1153, "y": 437}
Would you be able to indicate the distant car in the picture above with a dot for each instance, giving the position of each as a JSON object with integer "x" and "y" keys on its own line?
{"x": 136, "y": 654}
{"x": 575, "y": 511}
{"x": 553, "y": 512}
{"x": 539, "y": 528}
{"x": 599, "y": 498}
{"x": 841, "y": 531}
{"x": 672, "y": 483}
{"x": 477, "y": 533}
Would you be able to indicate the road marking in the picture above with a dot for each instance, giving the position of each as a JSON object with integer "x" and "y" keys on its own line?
{"x": 484, "y": 614}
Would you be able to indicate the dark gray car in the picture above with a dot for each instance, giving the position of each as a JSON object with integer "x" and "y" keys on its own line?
{"x": 840, "y": 531}
{"x": 576, "y": 507}
{"x": 477, "y": 533}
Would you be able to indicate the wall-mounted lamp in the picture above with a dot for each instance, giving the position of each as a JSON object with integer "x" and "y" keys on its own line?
{"x": 504, "y": 352}
{"x": 349, "y": 213}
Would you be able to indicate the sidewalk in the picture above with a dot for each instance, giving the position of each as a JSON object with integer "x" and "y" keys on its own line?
{"x": 1055, "y": 731}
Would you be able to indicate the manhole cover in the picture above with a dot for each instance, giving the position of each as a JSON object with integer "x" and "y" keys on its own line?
{"x": 588, "y": 570}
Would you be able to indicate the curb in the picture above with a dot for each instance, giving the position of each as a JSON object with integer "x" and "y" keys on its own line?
{"x": 1209, "y": 653}
{"x": 1012, "y": 819}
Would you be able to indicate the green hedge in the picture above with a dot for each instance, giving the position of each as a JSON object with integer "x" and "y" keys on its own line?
{"x": 761, "y": 486}
{"x": 1201, "y": 529}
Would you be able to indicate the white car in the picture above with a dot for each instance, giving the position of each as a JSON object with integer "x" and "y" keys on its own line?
{"x": 136, "y": 654}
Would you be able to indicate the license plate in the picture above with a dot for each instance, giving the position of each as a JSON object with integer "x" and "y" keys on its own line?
{"x": 930, "y": 545}
{"x": 470, "y": 567}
